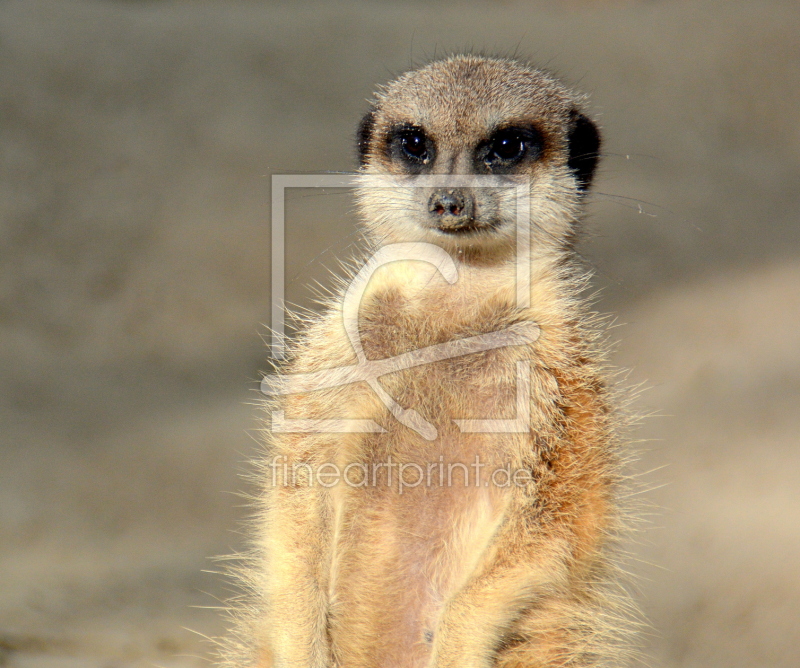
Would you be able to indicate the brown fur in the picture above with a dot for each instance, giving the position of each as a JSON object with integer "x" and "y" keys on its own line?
{"x": 450, "y": 576}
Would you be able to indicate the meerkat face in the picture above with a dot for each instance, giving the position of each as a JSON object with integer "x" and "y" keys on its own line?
{"x": 481, "y": 117}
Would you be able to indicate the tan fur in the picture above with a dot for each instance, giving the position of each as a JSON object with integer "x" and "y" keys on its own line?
{"x": 450, "y": 576}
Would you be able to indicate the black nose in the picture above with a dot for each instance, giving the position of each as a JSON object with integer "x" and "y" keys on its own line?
{"x": 451, "y": 208}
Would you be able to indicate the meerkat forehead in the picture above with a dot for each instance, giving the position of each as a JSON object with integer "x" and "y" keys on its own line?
{"x": 466, "y": 114}
{"x": 465, "y": 97}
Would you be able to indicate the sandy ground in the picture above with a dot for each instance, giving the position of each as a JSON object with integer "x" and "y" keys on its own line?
{"x": 136, "y": 144}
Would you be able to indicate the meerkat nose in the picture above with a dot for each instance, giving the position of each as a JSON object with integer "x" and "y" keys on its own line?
{"x": 451, "y": 207}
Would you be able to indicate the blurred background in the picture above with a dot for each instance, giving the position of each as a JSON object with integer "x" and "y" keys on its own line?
{"x": 137, "y": 141}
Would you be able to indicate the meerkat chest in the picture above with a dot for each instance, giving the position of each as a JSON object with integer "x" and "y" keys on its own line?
{"x": 427, "y": 494}
{"x": 453, "y": 356}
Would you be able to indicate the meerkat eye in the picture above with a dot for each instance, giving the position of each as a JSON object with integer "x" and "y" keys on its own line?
{"x": 509, "y": 146}
{"x": 414, "y": 144}
{"x": 410, "y": 147}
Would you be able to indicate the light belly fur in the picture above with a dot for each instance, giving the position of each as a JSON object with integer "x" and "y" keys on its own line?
{"x": 399, "y": 560}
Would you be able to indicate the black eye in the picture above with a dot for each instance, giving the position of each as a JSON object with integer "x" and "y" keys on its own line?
{"x": 410, "y": 148}
{"x": 508, "y": 146}
{"x": 414, "y": 145}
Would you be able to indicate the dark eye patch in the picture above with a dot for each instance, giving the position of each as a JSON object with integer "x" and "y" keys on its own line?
{"x": 509, "y": 146}
{"x": 410, "y": 146}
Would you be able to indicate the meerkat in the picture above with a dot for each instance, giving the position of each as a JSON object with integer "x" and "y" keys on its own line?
{"x": 355, "y": 568}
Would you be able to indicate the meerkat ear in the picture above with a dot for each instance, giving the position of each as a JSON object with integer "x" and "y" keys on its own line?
{"x": 364, "y": 135}
{"x": 584, "y": 149}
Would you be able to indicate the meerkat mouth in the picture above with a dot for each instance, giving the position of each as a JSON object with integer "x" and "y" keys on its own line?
{"x": 472, "y": 227}
{"x": 460, "y": 231}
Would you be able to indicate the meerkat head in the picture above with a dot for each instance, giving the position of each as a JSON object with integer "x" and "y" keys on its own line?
{"x": 470, "y": 115}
